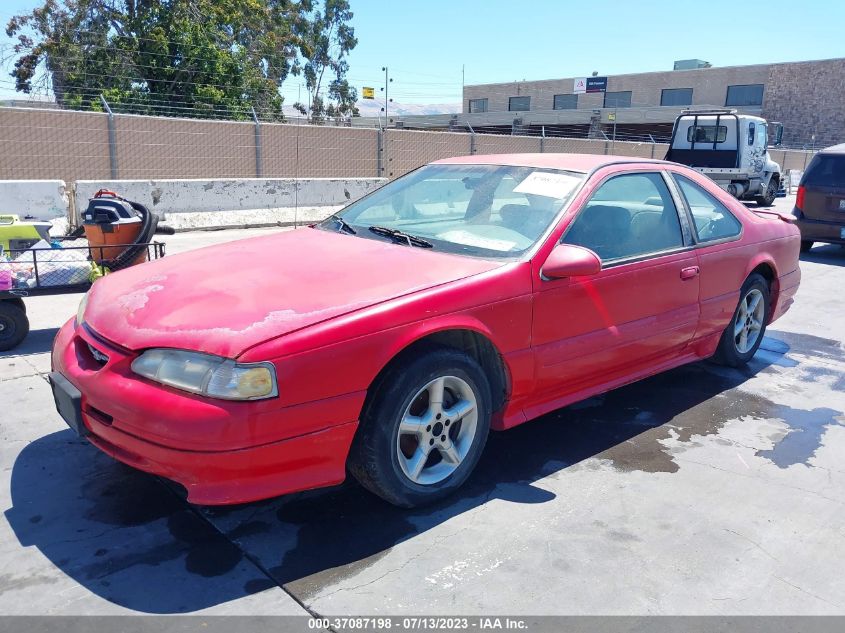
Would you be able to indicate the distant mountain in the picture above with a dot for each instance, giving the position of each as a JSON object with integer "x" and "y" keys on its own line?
{"x": 372, "y": 108}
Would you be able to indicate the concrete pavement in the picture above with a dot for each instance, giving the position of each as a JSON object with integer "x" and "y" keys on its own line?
{"x": 701, "y": 491}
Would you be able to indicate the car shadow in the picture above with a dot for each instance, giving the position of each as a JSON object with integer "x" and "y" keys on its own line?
{"x": 825, "y": 254}
{"x": 36, "y": 342}
{"x": 124, "y": 537}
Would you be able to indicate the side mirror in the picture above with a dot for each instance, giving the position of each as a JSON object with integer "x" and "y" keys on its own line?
{"x": 568, "y": 260}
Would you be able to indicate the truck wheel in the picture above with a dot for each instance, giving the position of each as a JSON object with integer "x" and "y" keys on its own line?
{"x": 14, "y": 326}
{"x": 423, "y": 429}
{"x": 768, "y": 198}
{"x": 806, "y": 245}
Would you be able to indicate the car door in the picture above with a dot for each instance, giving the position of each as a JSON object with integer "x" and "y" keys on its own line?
{"x": 641, "y": 310}
{"x": 721, "y": 256}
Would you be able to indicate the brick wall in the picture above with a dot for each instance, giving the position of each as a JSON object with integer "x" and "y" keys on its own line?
{"x": 808, "y": 98}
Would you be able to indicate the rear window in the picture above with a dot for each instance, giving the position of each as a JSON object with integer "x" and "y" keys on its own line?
{"x": 707, "y": 134}
{"x": 826, "y": 170}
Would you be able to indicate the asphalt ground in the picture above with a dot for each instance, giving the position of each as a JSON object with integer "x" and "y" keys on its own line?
{"x": 704, "y": 490}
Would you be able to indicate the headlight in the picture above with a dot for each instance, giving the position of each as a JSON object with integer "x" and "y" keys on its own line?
{"x": 208, "y": 375}
{"x": 80, "y": 311}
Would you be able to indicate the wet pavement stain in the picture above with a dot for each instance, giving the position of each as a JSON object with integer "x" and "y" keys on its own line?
{"x": 696, "y": 401}
{"x": 804, "y": 437}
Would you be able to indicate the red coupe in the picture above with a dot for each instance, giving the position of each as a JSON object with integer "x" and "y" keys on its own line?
{"x": 472, "y": 294}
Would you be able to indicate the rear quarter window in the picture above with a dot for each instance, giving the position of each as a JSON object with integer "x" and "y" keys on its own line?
{"x": 712, "y": 220}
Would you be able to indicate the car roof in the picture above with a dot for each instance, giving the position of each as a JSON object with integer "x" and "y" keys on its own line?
{"x": 572, "y": 162}
{"x": 834, "y": 149}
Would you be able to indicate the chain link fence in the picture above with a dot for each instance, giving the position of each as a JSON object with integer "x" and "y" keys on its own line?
{"x": 47, "y": 144}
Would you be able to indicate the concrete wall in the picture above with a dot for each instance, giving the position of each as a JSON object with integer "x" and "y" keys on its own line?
{"x": 41, "y": 199}
{"x": 187, "y": 204}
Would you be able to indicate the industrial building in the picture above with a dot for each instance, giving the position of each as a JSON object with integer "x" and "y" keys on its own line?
{"x": 807, "y": 97}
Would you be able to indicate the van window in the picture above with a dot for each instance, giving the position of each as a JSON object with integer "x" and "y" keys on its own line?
{"x": 707, "y": 133}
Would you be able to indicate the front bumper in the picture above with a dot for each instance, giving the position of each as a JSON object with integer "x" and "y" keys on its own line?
{"x": 220, "y": 452}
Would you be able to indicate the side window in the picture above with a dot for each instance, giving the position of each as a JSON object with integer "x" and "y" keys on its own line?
{"x": 628, "y": 216}
{"x": 711, "y": 218}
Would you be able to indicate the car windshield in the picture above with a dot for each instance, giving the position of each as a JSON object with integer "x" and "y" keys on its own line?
{"x": 478, "y": 210}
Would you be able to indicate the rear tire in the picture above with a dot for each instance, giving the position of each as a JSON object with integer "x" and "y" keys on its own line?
{"x": 411, "y": 450}
{"x": 14, "y": 326}
{"x": 806, "y": 245}
{"x": 744, "y": 333}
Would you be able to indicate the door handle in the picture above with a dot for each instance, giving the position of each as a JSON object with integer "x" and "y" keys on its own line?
{"x": 689, "y": 273}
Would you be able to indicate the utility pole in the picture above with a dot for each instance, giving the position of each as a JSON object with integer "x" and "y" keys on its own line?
{"x": 615, "y": 112}
{"x": 387, "y": 81}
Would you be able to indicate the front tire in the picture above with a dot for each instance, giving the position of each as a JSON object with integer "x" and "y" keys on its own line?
{"x": 806, "y": 245}
{"x": 745, "y": 332}
{"x": 423, "y": 428}
{"x": 768, "y": 198}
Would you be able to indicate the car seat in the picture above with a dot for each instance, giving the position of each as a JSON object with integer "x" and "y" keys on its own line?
{"x": 604, "y": 229}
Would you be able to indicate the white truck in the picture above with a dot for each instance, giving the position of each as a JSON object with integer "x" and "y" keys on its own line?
{"x": 730, "y": 148}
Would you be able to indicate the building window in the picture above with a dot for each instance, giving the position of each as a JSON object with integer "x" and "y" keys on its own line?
{"x": 565, "y": 102}
{"x": 747, "y": 95}
{"x": 676, "y": 97}
{"x": 519, "y": 104}
{"x": 617, "y": 99}
{"x": 477, "y": 105}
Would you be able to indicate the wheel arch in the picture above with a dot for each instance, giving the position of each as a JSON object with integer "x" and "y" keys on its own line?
{"x": 766, "y": 269}
{"x": 467, "y": 336}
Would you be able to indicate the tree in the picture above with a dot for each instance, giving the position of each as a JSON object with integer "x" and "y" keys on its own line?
{"x": 325, "y": 43}
{"x": 178, "y": 57}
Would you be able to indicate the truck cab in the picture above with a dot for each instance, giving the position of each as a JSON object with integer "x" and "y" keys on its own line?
{"x": 730, "y": 148}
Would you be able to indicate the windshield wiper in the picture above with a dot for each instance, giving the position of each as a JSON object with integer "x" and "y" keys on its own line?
{"x": 344, "y": 225}
{"x": 401, "y": 236}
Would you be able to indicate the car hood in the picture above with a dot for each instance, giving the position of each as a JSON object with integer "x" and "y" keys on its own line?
{"x": 227, "y": 298}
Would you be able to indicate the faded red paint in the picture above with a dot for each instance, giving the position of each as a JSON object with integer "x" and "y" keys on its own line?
{"x": 331, "y": 310}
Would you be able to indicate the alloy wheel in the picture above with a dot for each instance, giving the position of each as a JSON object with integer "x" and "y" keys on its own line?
{"x": 437, "y": 430}
{"x": 749, "y": 321}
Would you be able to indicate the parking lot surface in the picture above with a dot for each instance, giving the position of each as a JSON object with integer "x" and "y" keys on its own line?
{"x": 704, "y": 490}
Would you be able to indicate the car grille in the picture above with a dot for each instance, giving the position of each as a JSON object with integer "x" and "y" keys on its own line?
{"x": 100, "y": 357}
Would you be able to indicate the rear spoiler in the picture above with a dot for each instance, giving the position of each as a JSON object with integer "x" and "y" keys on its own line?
{"x": 786, "y": 217}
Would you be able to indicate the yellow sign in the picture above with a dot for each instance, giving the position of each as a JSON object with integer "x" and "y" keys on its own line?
{"x": 611, "y": 116}
{"x": 368, "y": 93}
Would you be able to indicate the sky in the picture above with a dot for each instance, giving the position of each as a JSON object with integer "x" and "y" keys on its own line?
{"x": 430, "y": 46}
